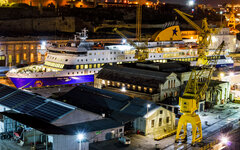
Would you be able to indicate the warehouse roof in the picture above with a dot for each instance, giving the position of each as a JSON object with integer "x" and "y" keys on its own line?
{"x": 28, "y": 103}
{"x": 133, "y": 76}
{"x": 35, "y": 123}
{"x": 114, "y": 105}
{"x": 96, "y": 125}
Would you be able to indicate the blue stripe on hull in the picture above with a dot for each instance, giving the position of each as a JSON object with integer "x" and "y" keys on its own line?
{"x": 38, "y": 82}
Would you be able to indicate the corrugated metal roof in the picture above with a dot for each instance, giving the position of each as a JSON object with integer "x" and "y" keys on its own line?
{"x": 133, "y": 76}
{"x": 102, "y": 101}
{"x": 26, "y": 102}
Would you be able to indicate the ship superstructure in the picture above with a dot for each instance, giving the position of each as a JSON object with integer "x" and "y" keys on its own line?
{"x": 78, "y": 61}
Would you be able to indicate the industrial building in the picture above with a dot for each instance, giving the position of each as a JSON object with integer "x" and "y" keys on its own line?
{"x": 137, "y": 114}
{"x": 165, "y": 83}
{"x": 51, "y": 121}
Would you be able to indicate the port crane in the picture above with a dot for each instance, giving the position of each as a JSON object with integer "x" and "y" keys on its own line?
{"x": 141, "y": 53}
{"x": 204, "y": 36}
{"x": 197, "y": 84}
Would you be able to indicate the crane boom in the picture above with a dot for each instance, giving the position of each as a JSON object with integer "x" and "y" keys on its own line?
{"x": 184, "y": 16}
{"x": 141, "y": 53}
{"x": 189, "y": 103}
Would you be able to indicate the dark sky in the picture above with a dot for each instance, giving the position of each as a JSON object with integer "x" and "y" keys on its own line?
{"x": 212, "y": 2}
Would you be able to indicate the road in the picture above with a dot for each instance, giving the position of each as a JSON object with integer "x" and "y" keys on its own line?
{"x": 228, "y": 114}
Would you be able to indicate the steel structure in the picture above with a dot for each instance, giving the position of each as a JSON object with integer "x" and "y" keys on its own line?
{"x": 197, "y": 84}
{"x": 204, "y": 36}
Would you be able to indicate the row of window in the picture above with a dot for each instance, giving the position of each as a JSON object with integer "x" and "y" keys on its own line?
{"x": 160, "y": 122}
{"x": 20, "y": 47}
{"x": 127, "y": 86}
{"x": 90, "y": 72}
{"x": 171, "y": 83}
{"x": 98, "y": 53}
{"x": 52, "y": 64}
{"x": 10, "y": 57}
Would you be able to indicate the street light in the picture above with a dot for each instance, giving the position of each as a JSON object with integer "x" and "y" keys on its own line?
{"x": 221, "y": 75}
{"x": 231, "y": 74}
{"x": 190, "y": 3}
{"x": 148, "y": 106}
{"x": 224, "y": 140}
{"x": 123, "y": 89}
{"x": 80, "y": 137}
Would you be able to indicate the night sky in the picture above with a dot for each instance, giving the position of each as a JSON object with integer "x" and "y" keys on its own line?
{"x": 212, "y": 2}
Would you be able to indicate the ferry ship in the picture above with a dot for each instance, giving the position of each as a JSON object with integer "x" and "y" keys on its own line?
{"x": 79, "y": 60}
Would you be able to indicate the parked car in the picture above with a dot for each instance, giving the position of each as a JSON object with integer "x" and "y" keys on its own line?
{"x": 124, "y": 140}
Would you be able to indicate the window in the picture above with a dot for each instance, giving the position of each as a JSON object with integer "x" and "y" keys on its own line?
{"x": 66, "y": 59}
{"x": 150, "y": 90}
{"x": 160, "y": 122}
{"x": 85, "y": 66}
{"x": 24, "y": 56}
{"x": 139, "y": 88}
{"x": 120, "y": 130}
{"x": 152, "y": 123}
{"x": 17, "y": 58}
{"x": 160, "y": 112}
{"x": 168, "y": 83}
{"x": 81, "y": 67}
{"x": 32, "y": 57}
{"x": 134, "y": 87}
{"x": 77, "y": 66}
{"x": 167, "y": 120}
{"x": 39, "y": 56}
{"x": 90, "y": 66}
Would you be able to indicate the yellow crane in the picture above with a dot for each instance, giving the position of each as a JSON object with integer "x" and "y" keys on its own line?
{"x": 141, "y": 53}
{"x": 197, "y": 84}
{"x": 189, "y": 103}
{"x": 204, "y": 36}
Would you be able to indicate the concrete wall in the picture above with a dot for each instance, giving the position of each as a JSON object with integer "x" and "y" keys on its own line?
{"x": 171, "y": 87}
{"x": 77, "y": 116}
{"x": 70, "y": 142}
{"x": 145, "y": 124}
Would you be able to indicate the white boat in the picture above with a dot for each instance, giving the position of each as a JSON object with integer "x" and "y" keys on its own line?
{"x": 78, "y": 61}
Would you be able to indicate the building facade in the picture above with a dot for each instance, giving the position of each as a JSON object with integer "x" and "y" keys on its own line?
{"x": 149, "y": 85}
{"x": 15, "y": 52}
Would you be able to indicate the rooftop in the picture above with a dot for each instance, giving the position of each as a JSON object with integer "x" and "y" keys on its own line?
{"x": 133, "y": 75}
{"x": 27, "y": 103}
{"x": 114, "y": 105}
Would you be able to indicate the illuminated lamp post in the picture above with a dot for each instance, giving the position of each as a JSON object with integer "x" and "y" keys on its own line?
{"x": 80, "y": 137}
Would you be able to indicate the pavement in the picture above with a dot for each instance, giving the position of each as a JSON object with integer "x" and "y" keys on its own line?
{"x": 212, "y": 122}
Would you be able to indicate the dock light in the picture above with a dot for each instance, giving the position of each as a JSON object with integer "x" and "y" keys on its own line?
{"x": 221, "y": 12}
{"x": 224, "y": 140}
{"x": 123, "y": 89}
{"x": 80, "y": 136}
{"x": 124, "y": 41}
{"x": 148, "y": 105}
{"x": 190, "y": 3}
{"x": 43, "y": 44}
{"x": 231, "y": 74}
{"x": 221, "y": 75}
